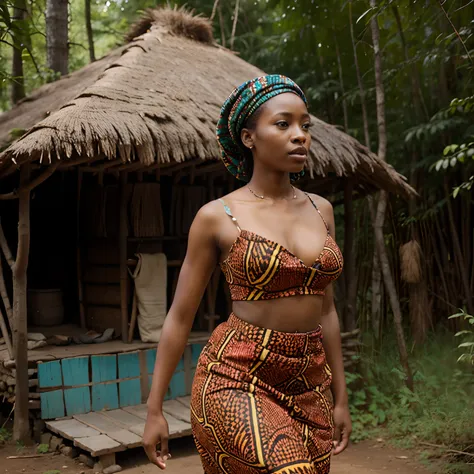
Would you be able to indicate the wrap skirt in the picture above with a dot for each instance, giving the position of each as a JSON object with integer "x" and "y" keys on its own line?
{"x": 261, "y": 402}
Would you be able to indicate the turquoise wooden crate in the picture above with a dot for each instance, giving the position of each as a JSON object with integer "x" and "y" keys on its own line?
{"x": 104, "y": 395}
{"x": 129, "y": 390}
{"x": 50, "y": 374}
{"x": 76, "y": 372}
{"x": 52, "y": 404}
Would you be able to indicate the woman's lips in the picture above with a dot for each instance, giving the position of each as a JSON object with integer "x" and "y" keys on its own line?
{"x": 300, "y": 157}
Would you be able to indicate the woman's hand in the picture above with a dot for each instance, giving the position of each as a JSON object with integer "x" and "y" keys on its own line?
{"x": 342, "y": 428}
{"x": 156, "y": 433}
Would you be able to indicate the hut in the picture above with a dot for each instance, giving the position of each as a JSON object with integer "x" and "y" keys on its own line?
{"x": 113, "y": 161}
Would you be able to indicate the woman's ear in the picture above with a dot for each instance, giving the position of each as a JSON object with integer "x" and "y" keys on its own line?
{"x": 246, "y": 138}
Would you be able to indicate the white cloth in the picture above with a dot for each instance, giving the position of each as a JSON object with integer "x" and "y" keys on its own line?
{"x": 150, "y": 277}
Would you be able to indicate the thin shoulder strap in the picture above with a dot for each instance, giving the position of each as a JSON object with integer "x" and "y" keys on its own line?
{"x": 229, "y": 213}
{"x": 316, "y": 207}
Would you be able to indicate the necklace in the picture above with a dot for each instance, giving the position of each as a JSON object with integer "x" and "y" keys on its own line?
{"x": 263, "y": 197}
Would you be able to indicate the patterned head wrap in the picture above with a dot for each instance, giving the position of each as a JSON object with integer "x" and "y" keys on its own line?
{"x": 240, "y": 105}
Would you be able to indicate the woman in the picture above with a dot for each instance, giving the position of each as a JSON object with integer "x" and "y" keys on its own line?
{"x": 269, "y": 393}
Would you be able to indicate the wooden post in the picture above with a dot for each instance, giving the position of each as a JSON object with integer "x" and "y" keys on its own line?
{"x": 21, "y": 425}
{"x": 349, "y": 315}
{"x": 123, "y": 234}
{"x": 80, "y": 289}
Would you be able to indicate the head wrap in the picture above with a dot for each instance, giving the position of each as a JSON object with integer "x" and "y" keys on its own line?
{"x": 238, "y": 108}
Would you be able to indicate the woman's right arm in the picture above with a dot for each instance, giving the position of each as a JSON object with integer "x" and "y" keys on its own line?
{"x": 198, "y": 266}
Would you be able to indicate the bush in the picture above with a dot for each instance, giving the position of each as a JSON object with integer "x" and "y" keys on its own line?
{"x": 439, "y": 411}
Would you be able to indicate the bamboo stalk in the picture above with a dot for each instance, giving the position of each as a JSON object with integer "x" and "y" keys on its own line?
{"x": 5, "y": 297}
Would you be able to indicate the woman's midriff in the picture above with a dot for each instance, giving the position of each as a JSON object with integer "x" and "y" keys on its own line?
{"x": 292, "y": 314}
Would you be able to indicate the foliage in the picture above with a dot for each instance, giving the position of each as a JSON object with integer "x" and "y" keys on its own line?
{"x": 54, "y": 471}
{"x": 5, "y": 435}
{"x": 439, "y": 411}
{"x": 42, "y": 449}
{"x": 468, "y": 344}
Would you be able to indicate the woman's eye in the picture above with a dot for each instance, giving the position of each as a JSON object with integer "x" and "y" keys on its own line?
{"x": 307, "y": 126}
{"x": 282, "y": 124}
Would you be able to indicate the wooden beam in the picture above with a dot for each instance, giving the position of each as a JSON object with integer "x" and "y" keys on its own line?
{"x": 21, "y": 424}
{"x": 80, "y": 288}
{"x": 123, "y": 234}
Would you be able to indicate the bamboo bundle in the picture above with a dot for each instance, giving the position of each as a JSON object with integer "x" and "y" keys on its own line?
{"x": 146, "y": 215}
{"x": 8, "y": 386}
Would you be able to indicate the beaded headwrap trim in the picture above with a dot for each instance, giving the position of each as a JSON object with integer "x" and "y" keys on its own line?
{"x": 238, "y": 108}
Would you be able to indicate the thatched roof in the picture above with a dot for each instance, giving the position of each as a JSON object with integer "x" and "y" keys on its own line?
{"x": 156, "y": 100}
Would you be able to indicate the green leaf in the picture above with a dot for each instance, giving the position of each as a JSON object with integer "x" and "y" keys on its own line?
{"x": 460, "y": 333}
{"x": 466, "y": 344}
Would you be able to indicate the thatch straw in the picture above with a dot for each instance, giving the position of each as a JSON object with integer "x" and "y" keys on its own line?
{"x": 157, "y": 100}
{"x": 411, "y": 262}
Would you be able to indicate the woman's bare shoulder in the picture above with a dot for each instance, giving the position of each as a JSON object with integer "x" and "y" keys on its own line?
{"x": 323, "y": 204}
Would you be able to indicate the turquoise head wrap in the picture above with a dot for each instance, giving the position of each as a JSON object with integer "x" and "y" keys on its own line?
{"x": 238, "y": 108}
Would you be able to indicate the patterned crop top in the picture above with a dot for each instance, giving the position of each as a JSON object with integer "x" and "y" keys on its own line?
{"x": 261, "y": 269}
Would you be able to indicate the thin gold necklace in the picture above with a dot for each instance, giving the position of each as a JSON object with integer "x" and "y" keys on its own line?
{"x": 263, "y": 197}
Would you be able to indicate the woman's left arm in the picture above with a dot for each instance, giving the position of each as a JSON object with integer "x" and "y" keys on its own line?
{"x": 332, "y": 347}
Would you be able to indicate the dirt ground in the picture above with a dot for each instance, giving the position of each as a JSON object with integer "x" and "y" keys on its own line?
{"x": 362, "y": 458}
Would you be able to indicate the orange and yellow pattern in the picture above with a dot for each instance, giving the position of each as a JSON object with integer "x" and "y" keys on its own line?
{"x": 261, "y": 402}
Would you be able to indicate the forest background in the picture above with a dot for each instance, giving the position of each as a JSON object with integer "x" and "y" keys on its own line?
{"x": 398, "y": 76}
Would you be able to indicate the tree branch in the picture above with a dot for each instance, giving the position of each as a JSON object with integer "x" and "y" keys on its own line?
{"x": 455, "y": 30}
{"x": 234, "y": 25}
{"x": 214, "y": 9}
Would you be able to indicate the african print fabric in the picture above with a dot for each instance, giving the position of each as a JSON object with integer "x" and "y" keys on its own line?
{"x": 239, "y": 106}
{"x": 260, "y": 269}
{"x": 261, "y": 402}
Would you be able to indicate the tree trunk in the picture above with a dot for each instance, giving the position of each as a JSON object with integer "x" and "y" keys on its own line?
{"x": 341, "y": 82}
{"x": 90, "y": 37}
{"x": 349, "y": 315}
{"x": 359, "y": 80}
{"x": 234, "y": 24}
{"x": 382, "y": 203}
{"x": 57, "y": 35}
{"x": 18, "y": 32}
{"x": 21, "y": 425}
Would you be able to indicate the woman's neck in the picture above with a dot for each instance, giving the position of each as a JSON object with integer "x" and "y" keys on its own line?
{"x": 272, "y": 186}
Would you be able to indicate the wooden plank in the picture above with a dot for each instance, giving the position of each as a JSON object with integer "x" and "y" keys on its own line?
{"x": 71, "y": 429}
{"x": 150, "y": 360}
{"x": 52, "y": 404}
{"x": 177, "y": 385}
{"x": 123, "y": 418}
{"x": 177, "y": 410}
{"x": 196, "y": 350}
{"x": 49, "y": 374}
{"x": 186, "y": 401}
{"x": 75, "y": 371}
{"x": 100, "y": 318}
{"x": 78, "y": 400}
{"x": 130, "y": 390}
{"x": 106, "y": 426}
{"x": 177, "y": 427}
{"x": 99, "y": 445}
{"x": 104, "y": 396}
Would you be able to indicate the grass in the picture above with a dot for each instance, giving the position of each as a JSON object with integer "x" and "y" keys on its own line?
{"x": 440, "y": 411}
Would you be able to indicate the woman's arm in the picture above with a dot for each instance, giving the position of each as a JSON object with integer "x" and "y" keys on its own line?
{"x": 333, "y": 349}
{"x": 198, "y": 265}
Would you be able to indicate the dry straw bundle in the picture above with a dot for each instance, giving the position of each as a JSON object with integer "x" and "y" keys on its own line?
{"x": 146, "y": 215}
{"x": 411, "y": 258}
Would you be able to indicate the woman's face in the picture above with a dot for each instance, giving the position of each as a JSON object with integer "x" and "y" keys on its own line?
{"x": 280, "y": 138}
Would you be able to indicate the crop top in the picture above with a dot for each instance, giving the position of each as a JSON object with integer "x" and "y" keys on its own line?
{"x": 261, "y": 269}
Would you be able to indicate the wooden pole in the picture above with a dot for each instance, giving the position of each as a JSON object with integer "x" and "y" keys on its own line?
{"x": 80, "y": 289}
{"x": 21, "y": 424}
{"x": 123, "y": 234}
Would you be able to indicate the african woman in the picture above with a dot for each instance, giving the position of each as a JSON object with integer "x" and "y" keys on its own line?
{"x": 269, "y": 394}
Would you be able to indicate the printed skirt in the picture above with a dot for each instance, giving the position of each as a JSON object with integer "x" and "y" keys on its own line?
{"x": 261, "y": 402}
